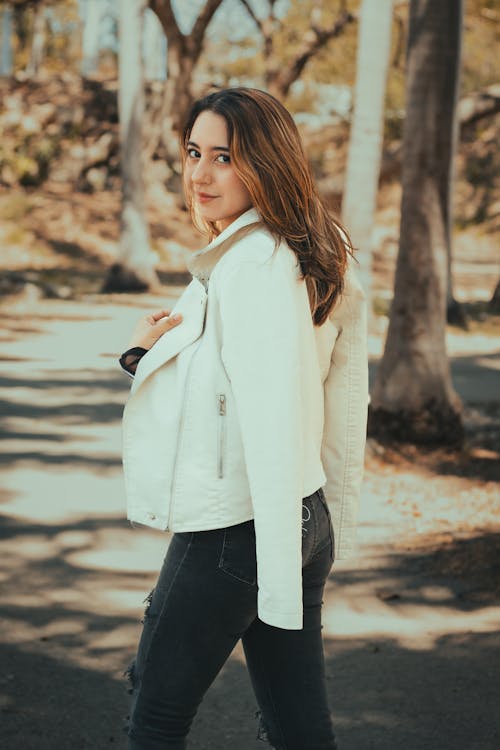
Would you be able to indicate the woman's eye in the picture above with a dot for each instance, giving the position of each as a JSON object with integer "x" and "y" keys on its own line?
{"x": 223, "y": 158}
{"x": 193, "y": 153}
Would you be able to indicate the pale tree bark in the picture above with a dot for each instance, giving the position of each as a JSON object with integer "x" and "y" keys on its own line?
{"x": 279, "y": 77}
{"x": 6, "y": 54}
{"x": 135, "y": 270}
{"x": 183, "y": 53}
{"x": 38, "y": 41}
{"x": 90, "y": 40}
{"x": 413, "y": 398}
{"x": 367, "y": 130}
{"x": 154, "y": 48}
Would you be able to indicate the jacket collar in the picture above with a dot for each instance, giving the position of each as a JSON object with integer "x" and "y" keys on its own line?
{"x": 249, "y": 217}
{"x": 202, "y": 264}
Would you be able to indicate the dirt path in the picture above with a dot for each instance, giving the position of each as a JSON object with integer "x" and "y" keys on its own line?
{"x": 411, "y": 626}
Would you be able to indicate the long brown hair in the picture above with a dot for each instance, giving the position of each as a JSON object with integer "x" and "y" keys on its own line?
{"x": 267, "y": 155}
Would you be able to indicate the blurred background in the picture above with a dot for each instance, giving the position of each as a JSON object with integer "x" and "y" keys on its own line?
{"x": 398, "y": 104}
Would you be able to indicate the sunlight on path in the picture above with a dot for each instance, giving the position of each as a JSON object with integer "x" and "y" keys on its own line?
{"x": 357, "y": 611}
{"x": 75, "y": 574}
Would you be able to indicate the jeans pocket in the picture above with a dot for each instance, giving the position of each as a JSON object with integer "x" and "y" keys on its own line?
{"x": 238, "y": 556}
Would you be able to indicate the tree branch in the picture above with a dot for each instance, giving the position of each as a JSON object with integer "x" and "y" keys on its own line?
{"x": 200, "y": 26}
{"x": 193, "y": 41}
{"x": 166, "y": 16}
{"x": 324, "y": 35}
{"x": 252, "y": 15}
{"x": 313, "y": 43}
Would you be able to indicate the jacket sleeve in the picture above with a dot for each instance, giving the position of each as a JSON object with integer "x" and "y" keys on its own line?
{"x": 131, "y": 358}
{"x": 260, "y": 351}
{"x": 346, "y": 406}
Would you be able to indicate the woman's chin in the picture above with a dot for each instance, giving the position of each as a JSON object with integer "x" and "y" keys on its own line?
{"x": 205, "y": 212}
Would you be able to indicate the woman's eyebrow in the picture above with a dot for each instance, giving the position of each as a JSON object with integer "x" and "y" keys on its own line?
{"x": 214, "y": 148}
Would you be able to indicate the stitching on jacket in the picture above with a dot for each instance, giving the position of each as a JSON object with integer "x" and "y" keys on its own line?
{"x": 181, "y": 436}
{"x": 346, "y": 434}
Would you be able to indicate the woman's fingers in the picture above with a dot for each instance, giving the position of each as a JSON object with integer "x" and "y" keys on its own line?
{"x": 151, "y": 327}
{"x": 154, "y": 317}
{"x": 168, "y": 322}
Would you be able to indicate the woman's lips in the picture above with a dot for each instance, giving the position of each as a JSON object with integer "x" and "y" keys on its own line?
{"x": 205, "y": 197}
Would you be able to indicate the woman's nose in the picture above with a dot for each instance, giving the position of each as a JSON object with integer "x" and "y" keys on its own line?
{"x": 201, "y": 173}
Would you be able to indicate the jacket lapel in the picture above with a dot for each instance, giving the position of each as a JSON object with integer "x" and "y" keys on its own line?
{"x": 192, "y": 305}
{"x": 202, "y": 263}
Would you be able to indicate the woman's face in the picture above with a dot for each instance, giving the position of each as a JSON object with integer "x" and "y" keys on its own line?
{"x": 218, "y": 192}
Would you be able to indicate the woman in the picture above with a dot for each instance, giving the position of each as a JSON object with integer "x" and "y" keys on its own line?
{"x": 247, "y": 400}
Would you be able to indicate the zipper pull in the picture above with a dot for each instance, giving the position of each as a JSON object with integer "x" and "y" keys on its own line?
{"x": 222, "y": 404}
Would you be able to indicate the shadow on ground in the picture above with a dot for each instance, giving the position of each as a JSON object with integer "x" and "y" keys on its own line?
{"x": 61, "y": 684}
{"x": 414, "y": 663}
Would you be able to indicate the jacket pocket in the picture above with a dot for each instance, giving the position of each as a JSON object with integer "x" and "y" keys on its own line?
{"x": 221, "y": 436}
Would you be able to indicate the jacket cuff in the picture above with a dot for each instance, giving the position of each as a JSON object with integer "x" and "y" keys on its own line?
{"x": 130, "y": 359}
{"x": 284, "y": 620}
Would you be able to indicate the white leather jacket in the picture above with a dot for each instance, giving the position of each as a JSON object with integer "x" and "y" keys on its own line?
{"x": 246, "y": 407}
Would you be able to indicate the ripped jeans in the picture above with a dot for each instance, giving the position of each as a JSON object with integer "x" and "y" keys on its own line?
{"x": 205, "y": 600}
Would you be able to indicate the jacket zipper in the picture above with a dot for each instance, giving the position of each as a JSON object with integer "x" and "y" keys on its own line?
{"x": 221, "y": 398}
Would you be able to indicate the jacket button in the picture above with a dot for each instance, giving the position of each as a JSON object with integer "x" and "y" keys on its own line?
{"x": 152, "y": 516}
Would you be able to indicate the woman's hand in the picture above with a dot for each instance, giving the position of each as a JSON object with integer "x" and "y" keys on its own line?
{"x": 149, "y": 329}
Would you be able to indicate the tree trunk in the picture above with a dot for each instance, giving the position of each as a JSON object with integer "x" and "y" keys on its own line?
{"x": 183, "y": 53}
{"x": 6, "y": 55}
{"x": 178, "y": 93}
{"x": 38, "y": 41}
{"x": 455, "y": 311}
{"x": 494, "y": 303}
{"x": 90, "y": 41}
{"x": 135, "y": 270}
{"x": 367, "y": 130}
{"x": 154, "y": 48}
{"x": 413, "y": 398}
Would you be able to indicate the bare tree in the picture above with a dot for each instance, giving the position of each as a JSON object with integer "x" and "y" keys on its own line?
{"x": 135, "y": 270}
{"x": 367, "y": 129}
{"x": 413, "y": 398}
{"x": 6, "y": 51}
{"x": 38, "y": 40}
{"x": 90, "y": 40}
{"x": 154, "y": 48}
{"x": 183, "y": 53}
{"x": 279, "y": 77}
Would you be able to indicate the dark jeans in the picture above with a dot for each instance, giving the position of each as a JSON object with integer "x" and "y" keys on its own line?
{"x": 205, "y": 600}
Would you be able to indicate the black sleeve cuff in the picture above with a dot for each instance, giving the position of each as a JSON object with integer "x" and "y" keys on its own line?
{"x": 129, "y": 359}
